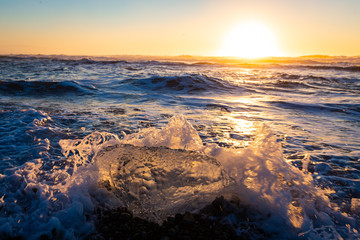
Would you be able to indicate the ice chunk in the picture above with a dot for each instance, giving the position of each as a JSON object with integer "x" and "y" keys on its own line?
{"x": 178, "y": 134}
{"x": 157, "y": 182}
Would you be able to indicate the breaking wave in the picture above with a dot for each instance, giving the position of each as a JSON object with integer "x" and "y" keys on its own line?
{"x": 190, "y": 83}
{"x": 40, "y": 88}
{"x": 157, "y": 172}
{"x": 355, "y": 68}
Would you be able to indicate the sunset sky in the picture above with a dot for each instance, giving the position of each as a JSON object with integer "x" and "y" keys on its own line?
{"x": 173, "y": 27}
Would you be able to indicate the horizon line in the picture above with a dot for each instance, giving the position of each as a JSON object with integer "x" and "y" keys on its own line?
{"x": 182, "y": 56}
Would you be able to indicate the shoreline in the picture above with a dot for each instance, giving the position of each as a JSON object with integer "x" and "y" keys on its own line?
{"x": 209, "y": 223}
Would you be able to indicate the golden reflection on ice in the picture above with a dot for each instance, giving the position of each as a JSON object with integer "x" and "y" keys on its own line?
{"x": 295, "y": 215}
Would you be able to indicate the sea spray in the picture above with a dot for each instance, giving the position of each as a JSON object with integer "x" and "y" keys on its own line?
{"x": 263, "y": 179}
{"x": 165, "y": 171}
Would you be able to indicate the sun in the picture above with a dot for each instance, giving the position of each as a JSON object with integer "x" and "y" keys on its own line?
{"x": 250, "y": 40}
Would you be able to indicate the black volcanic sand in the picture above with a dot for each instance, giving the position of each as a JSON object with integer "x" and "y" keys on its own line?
{"x": 207, "y": 224}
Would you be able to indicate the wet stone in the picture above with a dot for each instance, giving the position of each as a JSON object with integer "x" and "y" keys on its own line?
{"x": 120, "y": 224}
{"x": 188, "y": 218}
{"x": 124, "y": 217}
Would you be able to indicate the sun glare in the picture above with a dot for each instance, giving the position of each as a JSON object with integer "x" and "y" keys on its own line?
{"x": 250, "y": 40}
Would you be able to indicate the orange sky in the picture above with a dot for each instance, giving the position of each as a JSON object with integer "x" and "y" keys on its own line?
{"x": 160, "y": 27}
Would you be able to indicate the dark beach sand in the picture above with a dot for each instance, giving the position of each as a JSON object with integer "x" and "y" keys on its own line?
{"x": 208, "y": 223}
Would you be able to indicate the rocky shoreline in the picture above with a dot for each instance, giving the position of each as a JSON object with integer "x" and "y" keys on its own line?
{"x": 207, "y": 224}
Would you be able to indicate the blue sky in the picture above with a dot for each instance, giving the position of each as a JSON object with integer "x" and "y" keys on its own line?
{"x": 174, "y": 27}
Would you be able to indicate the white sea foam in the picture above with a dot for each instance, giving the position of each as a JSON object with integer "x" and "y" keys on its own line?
{"x": 58, "y": 202}
{"x": 146, "y": 177}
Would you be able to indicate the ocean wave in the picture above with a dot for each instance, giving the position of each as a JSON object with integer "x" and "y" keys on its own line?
{"x": 190, "y": 83}
{"x": 41, "y": 88}
{"x": 355, "y": 68}
{"x": 307, "y": 83}
{"x": 291, "y": 84}
{"x": 313, "y": 107}
{"x": 53, "y": 189}
{"x": 87, "y": 61}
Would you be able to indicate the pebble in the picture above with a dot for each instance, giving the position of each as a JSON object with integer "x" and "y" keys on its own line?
{"x": 120, "y": 224}
{"x": 125, "y": 216}
{"x": 188, "y": 218}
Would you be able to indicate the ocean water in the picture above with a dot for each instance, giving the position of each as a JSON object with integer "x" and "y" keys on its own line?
{"x": 170, "y": 135}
